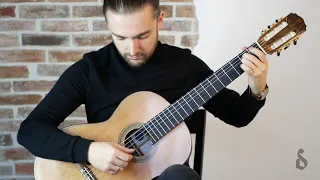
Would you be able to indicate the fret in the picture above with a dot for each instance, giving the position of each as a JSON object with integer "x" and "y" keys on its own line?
{"x": 174, "y": 118}
{"x": 232, "y": 73}
{"x": 223, "y": 78}
{"x": 236, "y": 64}
{"x": 234, "y": 69}
{"x": 159, "y": 122}
{"x": 164, "y": 122}
{"x": 173, "y": 125}
{"x": 212, "y": 85}
{"x": 176, "y": 111}
{"x": 155, "y": 124}
{"x": 182, "y": 108}
{"x": 186, "y": 103}
{"x": 216, "y": 83}
{"x": 200, "y": 95}
{"x": 226, "y": 74}
{"x": 151, "y": 122}
{"x": 149, "y": 132}
{"x": 219, "y": 79}
{"x": 192, "y": 99}
{"x": 206, "y": 90}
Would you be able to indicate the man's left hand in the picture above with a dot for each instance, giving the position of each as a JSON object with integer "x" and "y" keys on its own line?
{"x": 257, "y": 69}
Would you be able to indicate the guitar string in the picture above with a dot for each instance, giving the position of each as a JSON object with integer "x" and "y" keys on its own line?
{"x": 162, "y": 121}
{"x": 189, "y": 99}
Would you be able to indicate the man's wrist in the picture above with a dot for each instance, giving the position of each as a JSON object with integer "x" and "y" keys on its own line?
{"x": 260, "y": 96}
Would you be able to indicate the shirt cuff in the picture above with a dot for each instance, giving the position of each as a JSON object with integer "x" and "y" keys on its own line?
{"x": 80, "y": 150}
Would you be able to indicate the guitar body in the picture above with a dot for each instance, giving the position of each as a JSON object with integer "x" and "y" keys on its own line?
{"x": 136, "y": 109}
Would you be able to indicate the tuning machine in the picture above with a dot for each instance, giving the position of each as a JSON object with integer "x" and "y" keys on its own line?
{"x": 278, "y": 53}
{"x": 286, "y": 47}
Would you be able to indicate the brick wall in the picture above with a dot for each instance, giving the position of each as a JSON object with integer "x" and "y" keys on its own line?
{"x": 39, "y": 39}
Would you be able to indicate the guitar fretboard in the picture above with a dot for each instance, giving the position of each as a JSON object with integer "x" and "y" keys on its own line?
{"x": 178, "y": 111}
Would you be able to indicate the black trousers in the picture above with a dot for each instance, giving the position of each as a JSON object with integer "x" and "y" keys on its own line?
{"x": 178, "y": 172}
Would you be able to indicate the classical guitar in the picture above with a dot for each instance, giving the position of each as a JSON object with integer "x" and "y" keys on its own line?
{"x": 155, "y": 128}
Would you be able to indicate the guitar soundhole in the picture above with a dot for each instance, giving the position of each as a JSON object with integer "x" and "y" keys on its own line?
{"x": 134, "y": 138}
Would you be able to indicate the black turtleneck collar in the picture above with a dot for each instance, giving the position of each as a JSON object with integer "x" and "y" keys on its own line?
{"x": 152, "y": 64}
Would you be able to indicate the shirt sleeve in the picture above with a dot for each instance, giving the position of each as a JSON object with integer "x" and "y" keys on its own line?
{"x": 39, "y": 132}
{"x": 228, "y": 105}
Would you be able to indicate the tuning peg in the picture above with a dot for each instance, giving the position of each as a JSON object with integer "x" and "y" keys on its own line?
{"x": 286, "y": 47}
{"x": 295, "y": 42}
{"x": 278, "y": 53}
{"x": 269, "y": 27}
{"x": 277, "y": 20}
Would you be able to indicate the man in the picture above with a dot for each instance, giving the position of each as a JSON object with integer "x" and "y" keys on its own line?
{"x": 134, "y": 61}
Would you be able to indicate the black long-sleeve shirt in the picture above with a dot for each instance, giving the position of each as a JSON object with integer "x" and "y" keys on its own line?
{"x": 101, "y": 80}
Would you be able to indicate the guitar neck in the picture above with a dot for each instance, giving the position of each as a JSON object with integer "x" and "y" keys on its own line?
{"x": 182, "y": 108}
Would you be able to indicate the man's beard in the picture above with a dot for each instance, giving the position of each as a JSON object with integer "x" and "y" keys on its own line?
{"x": 143, "y": 57}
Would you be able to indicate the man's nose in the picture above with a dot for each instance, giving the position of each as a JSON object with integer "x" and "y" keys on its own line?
{"x": 134, "y": 47}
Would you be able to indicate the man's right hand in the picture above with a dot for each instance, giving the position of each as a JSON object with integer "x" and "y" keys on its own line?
{"x": 109, "y": 156}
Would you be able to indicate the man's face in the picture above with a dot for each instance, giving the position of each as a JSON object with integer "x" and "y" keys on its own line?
{"x": 135, "y": 35}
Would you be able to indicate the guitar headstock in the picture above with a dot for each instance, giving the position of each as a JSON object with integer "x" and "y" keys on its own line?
{"x": 280, "y": 35}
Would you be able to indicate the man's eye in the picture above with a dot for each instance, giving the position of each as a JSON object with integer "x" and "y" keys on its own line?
{"x": 142, "y": 37}
{"x": 120, "y": 39}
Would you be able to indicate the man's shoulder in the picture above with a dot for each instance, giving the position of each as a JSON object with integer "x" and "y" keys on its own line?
{"x": 184, "y": 54}
{"x": 176, "y": 50}
{"x": 98, "y": 57}
{"x": 89, "y": 60}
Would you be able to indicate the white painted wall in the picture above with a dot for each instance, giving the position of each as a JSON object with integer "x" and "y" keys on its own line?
{"x": 267, "y": 148}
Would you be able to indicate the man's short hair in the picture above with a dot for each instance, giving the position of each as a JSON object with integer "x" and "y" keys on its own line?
{"x": 130, "y": 6}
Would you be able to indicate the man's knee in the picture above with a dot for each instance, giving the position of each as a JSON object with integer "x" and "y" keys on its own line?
{"x": 180, "y": 172}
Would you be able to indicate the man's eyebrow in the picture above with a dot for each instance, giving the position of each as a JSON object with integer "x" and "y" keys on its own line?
{"x": 141, "y": 34}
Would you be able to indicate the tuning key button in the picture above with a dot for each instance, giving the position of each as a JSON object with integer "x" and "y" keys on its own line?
{"x": 278, "y": 53}
{"x": 295, "y": 42}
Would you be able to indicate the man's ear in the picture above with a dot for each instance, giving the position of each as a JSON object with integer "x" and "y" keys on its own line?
{"x": 160, "y": 20}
